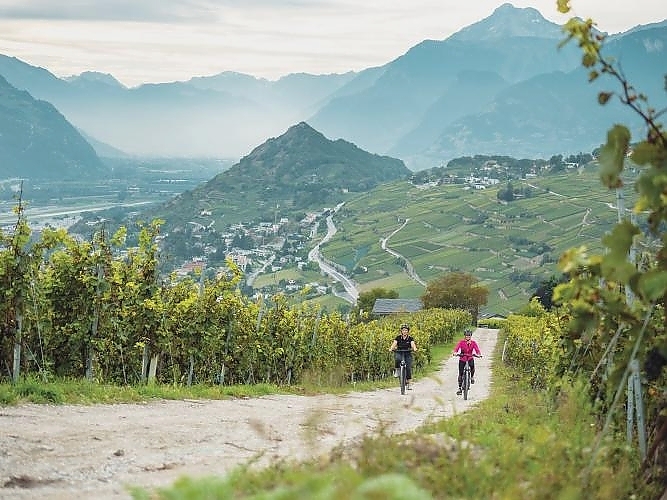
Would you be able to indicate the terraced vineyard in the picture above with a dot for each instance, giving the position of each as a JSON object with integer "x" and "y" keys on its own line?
{"x": 511, "y": 247}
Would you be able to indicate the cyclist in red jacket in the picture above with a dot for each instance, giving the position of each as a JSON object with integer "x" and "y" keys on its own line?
{"x": 467, "y": 348}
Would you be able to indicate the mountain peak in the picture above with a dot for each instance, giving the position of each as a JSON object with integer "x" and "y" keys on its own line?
{"x": 508, "y": 21}
{"x": 301, "y": 128}
{"x": 94, "y": 77}
{"x": 302, "y": 152}
{"x": 298, "y": 138}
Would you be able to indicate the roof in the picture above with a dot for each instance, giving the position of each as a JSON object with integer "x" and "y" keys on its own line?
{"x": 391, "y": 306}
{"x": 492, "y": 315}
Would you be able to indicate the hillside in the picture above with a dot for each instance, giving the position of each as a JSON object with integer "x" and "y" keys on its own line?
{"x": 449, "y": 226}
{"x": 289, "y": 175}
{"x": 440, "y": 220}
{"x": 37, "y": 142}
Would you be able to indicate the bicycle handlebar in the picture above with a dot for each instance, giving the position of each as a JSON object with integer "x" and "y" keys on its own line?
{"x": 402, "y": 350}
{"x": 461, "y": 355}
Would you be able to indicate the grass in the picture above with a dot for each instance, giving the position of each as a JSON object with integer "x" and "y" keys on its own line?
{"x": 69, "y": 391}
{"x": 83, "y": 392}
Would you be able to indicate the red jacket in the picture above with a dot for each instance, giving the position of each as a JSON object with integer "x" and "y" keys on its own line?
{"x": 467, "y": 348}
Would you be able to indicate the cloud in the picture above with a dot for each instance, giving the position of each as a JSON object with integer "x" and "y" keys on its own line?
{"x": 165, "y": 11}
{"x": 164, "y": 40}
{"x": 157, "y": 11}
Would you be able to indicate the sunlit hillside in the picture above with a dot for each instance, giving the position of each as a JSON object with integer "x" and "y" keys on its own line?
{"x": 509, "y": 246}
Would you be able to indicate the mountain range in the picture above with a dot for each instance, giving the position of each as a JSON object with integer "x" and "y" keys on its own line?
{"x": 499, "y": 86}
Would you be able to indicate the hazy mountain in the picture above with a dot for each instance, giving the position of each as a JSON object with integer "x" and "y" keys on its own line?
{"x": 558, "y": 112}
{"x": 642, "y": 55}
{"x": 220, "y": 116}
{"x": 378, "y": 117}
{"x": 39, "y": 82}
{"x": 469, "y": 94}
{"x": 91, "y": 78}
{"x": 434, "y": 102}
{"x": 103, "y": 149}
{"x": 534, "y": 118}
{"x": 507, "y": 22}
{"x": 37, "y": 142}
{"x": 293, "y": 94}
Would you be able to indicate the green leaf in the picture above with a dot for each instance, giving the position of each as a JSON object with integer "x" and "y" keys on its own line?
{"x": 648, "y": 153}
{"x": 653, "y": 284}
{"x": 620, "y": 239}
{"x": 615, "y": 265}
{"x": 603, "y": 97}
{"x": 612, "y": 155}
{"x": 651, "y": 186}
{"x": 563, "y": 6}
{"x": 616, "y": 269}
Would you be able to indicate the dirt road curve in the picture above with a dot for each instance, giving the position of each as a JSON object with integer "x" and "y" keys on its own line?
{"x": 65, "y": 452}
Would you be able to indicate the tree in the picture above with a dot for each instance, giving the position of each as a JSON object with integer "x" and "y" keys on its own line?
{"x": 545, "y": 291}
{"x": 556, "y": 162}
{"x": 507, "y": 193}
{"x": 456, "y": 290}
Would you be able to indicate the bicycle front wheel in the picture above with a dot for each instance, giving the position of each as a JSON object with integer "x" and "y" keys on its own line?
{"x": 466, "y": 383}
{"x": 402, "y": 378}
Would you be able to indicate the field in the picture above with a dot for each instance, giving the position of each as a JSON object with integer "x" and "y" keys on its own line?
{"x": 510, "y": 247}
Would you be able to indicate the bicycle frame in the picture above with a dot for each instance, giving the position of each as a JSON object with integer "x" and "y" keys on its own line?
{"x": 467, "y": 376}
{"x": 465, "y": 384}
{"x": 402, "y": 370}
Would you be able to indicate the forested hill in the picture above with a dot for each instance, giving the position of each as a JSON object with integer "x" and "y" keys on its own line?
{"x": 302, "y": 156}
{"x": 297, "y": 171}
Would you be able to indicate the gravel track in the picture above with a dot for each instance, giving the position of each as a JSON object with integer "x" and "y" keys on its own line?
{"x": 68, "y": 451}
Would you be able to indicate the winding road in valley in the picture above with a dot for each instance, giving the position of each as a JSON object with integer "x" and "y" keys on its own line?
{"x": 409, "y": 268}
{"x": 351, "y": 293}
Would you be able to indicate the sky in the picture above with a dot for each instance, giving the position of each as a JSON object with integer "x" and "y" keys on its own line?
{"x": 154, "y": 41}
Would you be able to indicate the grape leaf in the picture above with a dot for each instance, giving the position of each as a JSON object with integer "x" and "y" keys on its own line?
{"x": 612, "y": 155}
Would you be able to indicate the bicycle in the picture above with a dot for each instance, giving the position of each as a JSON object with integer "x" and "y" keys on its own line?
{"x": 402, "y": 369}
{"x": 467, "y": 377}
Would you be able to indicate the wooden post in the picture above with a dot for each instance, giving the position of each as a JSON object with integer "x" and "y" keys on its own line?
{"x": 639, "y": 408}
{"x": 16, "y": 372}
{"x": 630, "y": 417}
{"x": 152, "y": 370}
{"x": 144, "y": 364}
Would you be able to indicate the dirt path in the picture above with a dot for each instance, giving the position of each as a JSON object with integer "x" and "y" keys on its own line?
{"x": 64, "y": 452}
